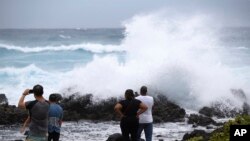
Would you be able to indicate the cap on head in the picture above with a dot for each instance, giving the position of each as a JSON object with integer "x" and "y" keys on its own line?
{"x": 38, "y": 90}
{"x": 144, "y": 90}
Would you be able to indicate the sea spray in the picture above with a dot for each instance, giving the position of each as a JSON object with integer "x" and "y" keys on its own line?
{"x": 182, "y": 58}
{"x": 179, "y": 58}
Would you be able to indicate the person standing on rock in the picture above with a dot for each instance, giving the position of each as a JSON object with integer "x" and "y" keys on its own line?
{"x": 146, "y": 118}
{"x": 55, "y": 118}
{"x": 129, "y": 111}
{"x": 38, "y": 110}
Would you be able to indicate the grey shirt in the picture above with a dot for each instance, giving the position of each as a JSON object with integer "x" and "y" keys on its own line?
{"x": 39, "y": 117}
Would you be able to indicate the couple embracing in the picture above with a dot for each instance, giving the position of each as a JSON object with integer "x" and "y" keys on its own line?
{"x": 136, "y": 115}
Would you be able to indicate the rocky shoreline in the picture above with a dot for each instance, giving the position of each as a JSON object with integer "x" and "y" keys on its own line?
{"x": 82, "y": 107}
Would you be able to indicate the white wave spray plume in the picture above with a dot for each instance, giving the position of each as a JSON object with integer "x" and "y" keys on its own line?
{"x": 176, "y": 57}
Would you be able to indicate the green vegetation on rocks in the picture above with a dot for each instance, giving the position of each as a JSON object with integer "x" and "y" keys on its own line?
{"x": 225, "y": 133}
{"x": 199, "y": 138}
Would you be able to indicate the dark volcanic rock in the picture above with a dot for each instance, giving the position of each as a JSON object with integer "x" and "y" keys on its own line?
{"x": 11, "y": 115}
{"x": 167, "y": 111}
{"x": 246, "y": 108}
{"x": 196, "y": 133}
{"x": 200, "y": 120}
{"x": 105, "y": 110}
{"x": 75, "y": 106}
{"x": 3, "y": 99}
{"x": 207, "y": 111}
{"x": 78, "y": 107}
{"x": 115, "y": 137}
{"x": 220, "y": 110}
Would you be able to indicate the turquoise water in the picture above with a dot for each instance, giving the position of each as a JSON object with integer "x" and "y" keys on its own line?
{"x": 54, "y": 49}
{"x": 111, "y": 60}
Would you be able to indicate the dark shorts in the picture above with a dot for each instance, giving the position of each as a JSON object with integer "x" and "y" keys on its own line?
{"x": 54, "y": 136}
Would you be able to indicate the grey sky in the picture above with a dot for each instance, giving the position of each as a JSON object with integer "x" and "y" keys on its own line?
{"x": 111, "y": 13}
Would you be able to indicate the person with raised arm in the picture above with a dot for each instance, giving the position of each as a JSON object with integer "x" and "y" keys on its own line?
{"x": 38, "y": 112}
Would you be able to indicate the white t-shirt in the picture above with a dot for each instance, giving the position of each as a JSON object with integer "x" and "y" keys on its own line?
{"x": 146, "y": 117}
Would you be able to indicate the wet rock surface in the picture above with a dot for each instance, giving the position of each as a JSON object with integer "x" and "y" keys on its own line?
{"x": 10, "y": 114}
{"x": 78, "y": 107}
{"x": 200, "y": 120}
{"x": 196, "y": 133}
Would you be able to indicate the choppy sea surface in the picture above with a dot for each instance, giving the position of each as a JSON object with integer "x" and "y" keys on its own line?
{"x": 186, "y": 64}
{"x": 186, "y": 59}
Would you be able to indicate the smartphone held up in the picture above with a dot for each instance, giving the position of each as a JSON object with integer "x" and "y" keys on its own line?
{"x": 31, "y": 91}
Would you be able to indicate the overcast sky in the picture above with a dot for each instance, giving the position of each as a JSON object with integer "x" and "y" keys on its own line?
{"x": 111, "y": 13}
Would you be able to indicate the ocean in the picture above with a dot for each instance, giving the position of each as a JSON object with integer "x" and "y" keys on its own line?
{"x": 190, "y": 62}
{"x": 32, "y": 56}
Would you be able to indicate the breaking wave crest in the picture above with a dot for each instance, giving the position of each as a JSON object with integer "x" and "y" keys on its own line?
{"x": 95, "y": 48}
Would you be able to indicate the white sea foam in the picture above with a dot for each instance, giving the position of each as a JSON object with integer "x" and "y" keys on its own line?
{"x": 95, "y": 48}
{"x": 89, "y": 131}
{"x": 21, "y": 78}
{"x": 176, "y": 57}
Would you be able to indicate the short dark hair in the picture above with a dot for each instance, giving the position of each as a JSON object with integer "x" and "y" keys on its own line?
{"x": 38, "y": 90}
{"x": 53, "y": 98}
{"x": 129, "y": 94}
{"x": 144, "y": 90}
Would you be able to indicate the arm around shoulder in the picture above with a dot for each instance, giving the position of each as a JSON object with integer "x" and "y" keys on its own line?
{"x": 143, "y": 108}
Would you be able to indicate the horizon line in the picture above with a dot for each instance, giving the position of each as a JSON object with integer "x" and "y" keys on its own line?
{"x": 87, "y": 28}
{"x": 76, "y": 28}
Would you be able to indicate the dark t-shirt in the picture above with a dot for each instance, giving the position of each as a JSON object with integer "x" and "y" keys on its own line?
{"x": 130, "y": 107}
{"x": 39, "y": 117}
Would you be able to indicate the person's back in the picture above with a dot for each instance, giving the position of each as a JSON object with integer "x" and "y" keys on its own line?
{"x": 38, "y": 110}
{"x": 128, "y": 110}
{"x": 55, "y": 118}
{"x": 146, "y": 118}
{"x": 130, "y": 107}
{"x": 39, "y": 118}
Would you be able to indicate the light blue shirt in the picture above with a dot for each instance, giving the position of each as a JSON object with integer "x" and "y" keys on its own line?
{"x": 55, "y": 117}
